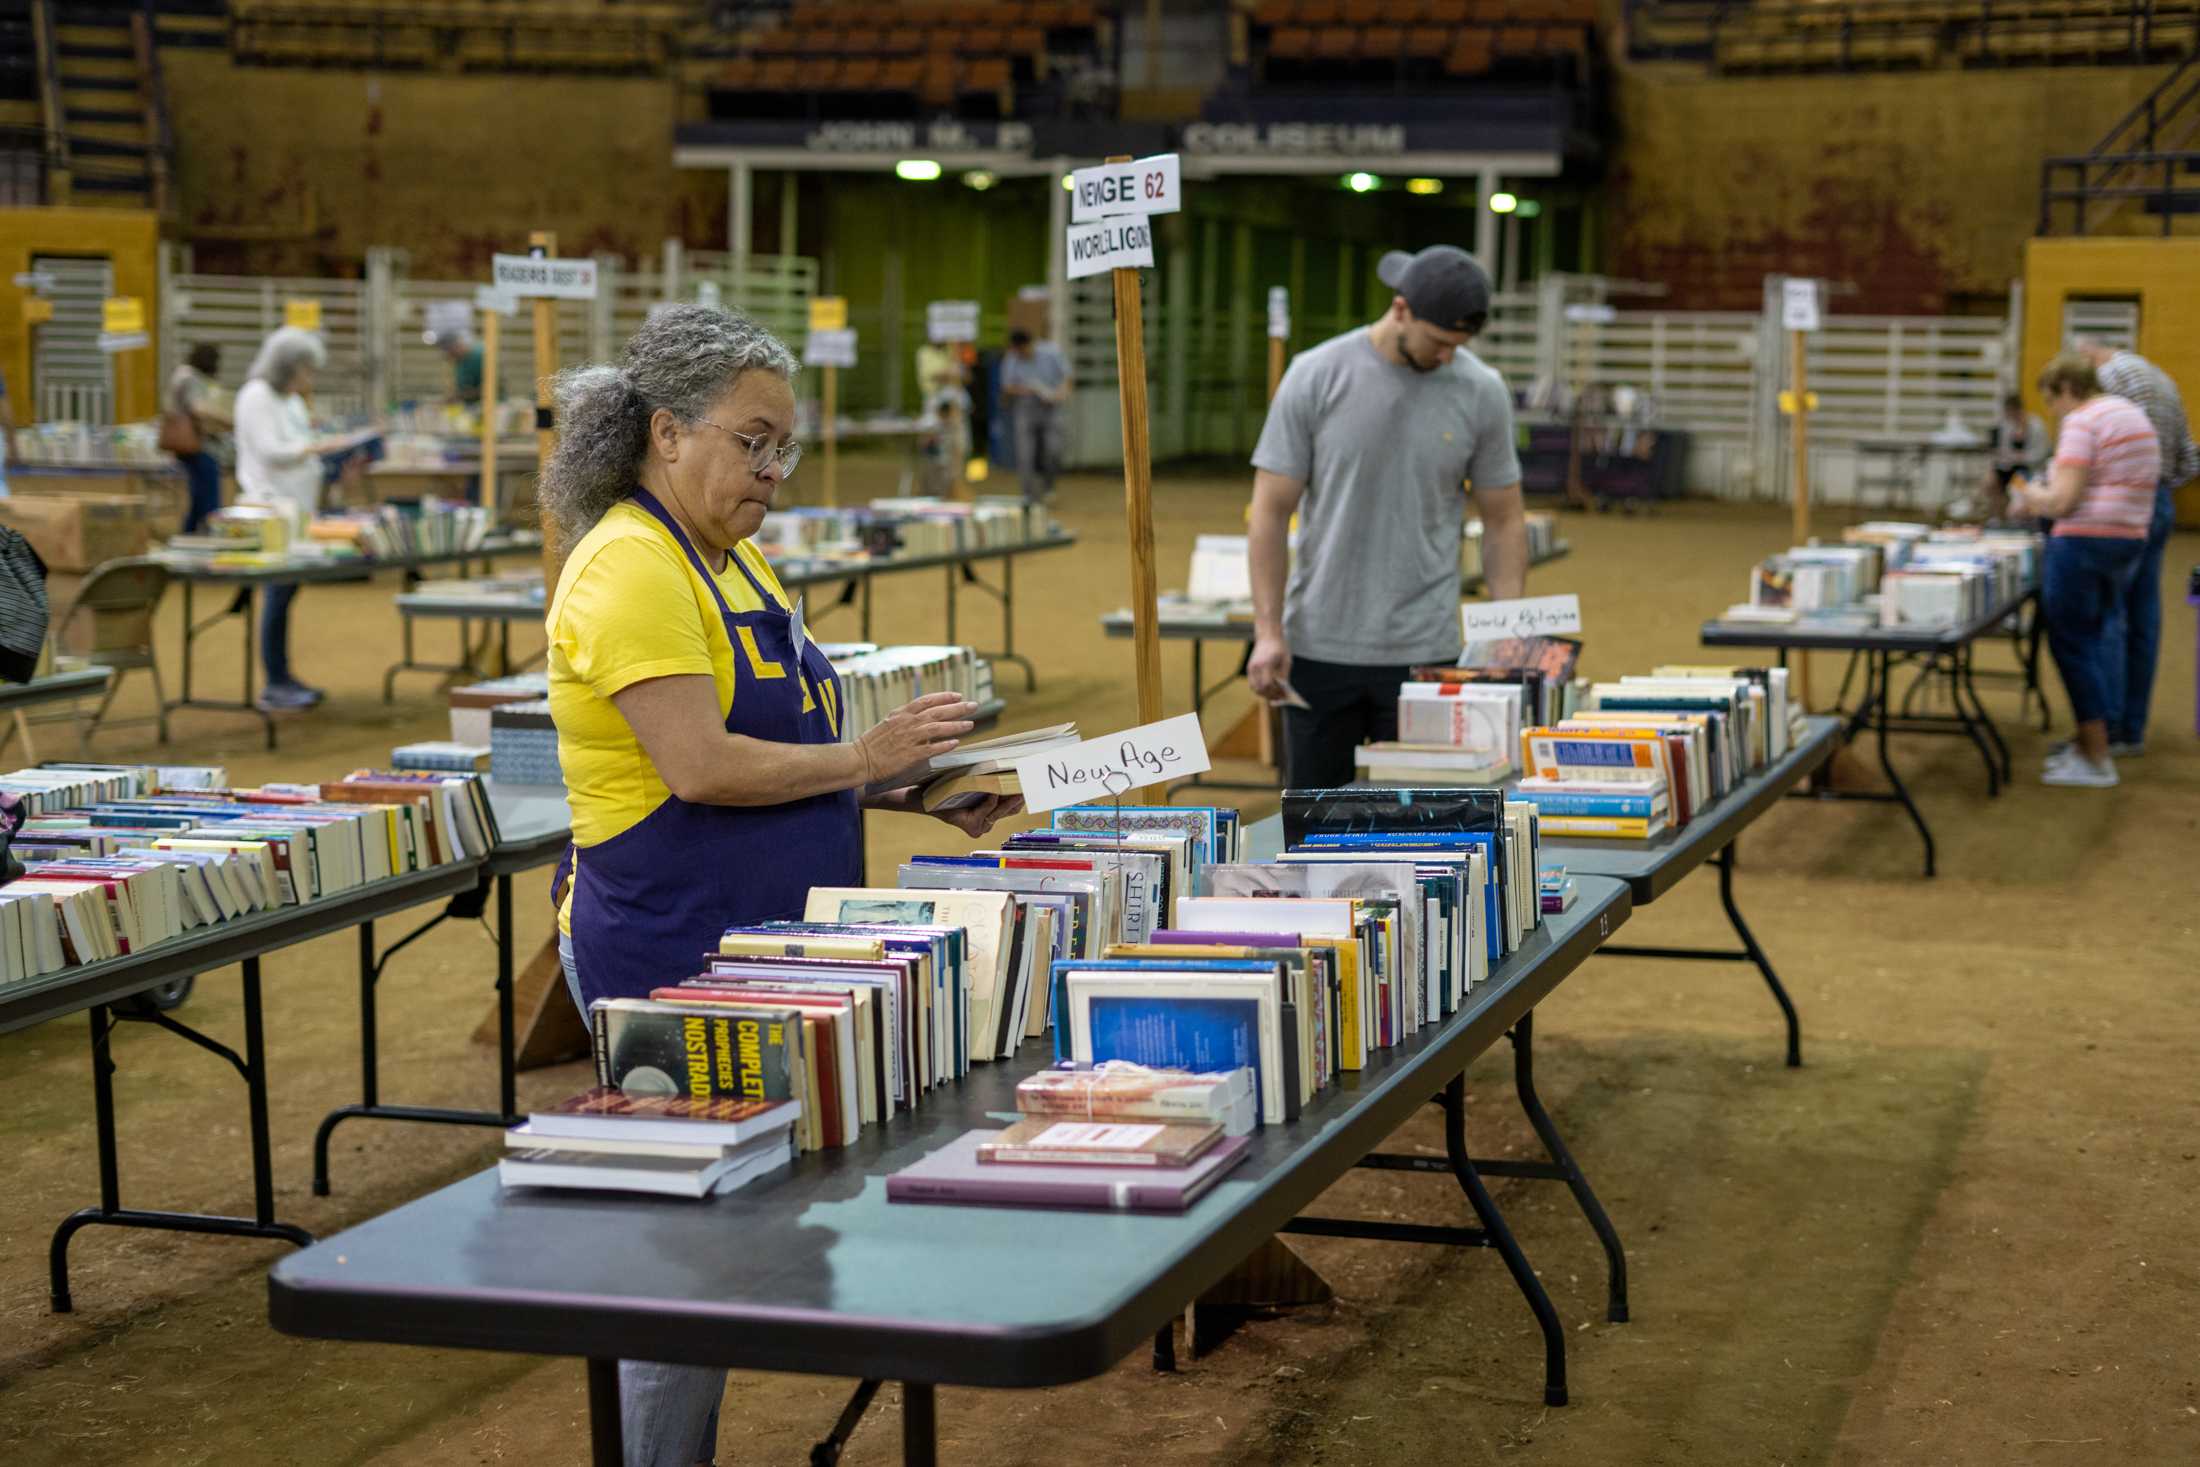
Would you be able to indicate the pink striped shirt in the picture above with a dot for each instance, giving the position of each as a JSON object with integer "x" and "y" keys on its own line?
{"x": 2111, "y": 439}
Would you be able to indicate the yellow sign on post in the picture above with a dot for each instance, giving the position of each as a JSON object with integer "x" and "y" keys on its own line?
{"x": 828, "y": 312}
{"x": 36, "y": 310}
{"x": 122, "y": 314}
{"x": 303, "y": 314}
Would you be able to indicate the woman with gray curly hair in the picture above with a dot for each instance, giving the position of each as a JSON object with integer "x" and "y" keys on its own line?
{"x": 280, "y": 463}
{"x": 698, "y": 727}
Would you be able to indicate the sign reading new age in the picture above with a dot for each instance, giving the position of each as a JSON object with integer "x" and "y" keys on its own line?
{"x": 1102, "y": 769}
{"x": 1530, "y": 616}
{"x": 1109, "y": 210}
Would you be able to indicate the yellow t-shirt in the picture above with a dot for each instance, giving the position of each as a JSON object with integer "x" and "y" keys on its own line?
{"x": 631, "y": 606}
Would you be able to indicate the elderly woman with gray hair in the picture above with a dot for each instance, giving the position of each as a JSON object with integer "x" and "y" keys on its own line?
{"x": 280, "y": 464}
{"x": 699, "y": 729}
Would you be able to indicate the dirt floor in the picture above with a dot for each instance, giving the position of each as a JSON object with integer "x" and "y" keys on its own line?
{"x": 1961, "y": 1234}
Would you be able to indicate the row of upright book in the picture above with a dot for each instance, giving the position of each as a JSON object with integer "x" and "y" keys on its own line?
{"x": 1135, "y": 936}
{"x": 119, "y": 859}
{"x": 1892, "y": 573}
{"x": 404, "y": 531}
{"x": 1645, "y": 754}
{"x": 903, "y": 527}
{"x": 1461, "y": 724}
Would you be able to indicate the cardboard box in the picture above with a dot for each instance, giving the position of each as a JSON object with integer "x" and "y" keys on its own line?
{"x": 73, "y": 533}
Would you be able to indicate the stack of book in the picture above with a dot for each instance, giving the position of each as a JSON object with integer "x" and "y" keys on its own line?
{"x": 444, "y": 755}
{"x": 972, "y": 772}
{"x": 605, "y": 1140}
{"x": 1806, "y": 582}
{"x": 472, "y": 705}
{"x": 121, "y": 859}
{"x": 876, "y": 680}
{"x": 1450, "y": 731}
{"x": 1385, "y": 910}
{"x": 401, "y": 532}
{"x": 1645, "y": 753}
{"x": 1115, "y": 1136}
{"x": 523, "y": 743}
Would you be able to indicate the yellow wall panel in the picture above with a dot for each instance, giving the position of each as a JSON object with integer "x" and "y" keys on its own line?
{"x": 129, "y": 239}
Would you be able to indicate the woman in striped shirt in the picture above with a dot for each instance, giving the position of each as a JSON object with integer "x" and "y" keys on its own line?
{"x": 2100, "y": 493}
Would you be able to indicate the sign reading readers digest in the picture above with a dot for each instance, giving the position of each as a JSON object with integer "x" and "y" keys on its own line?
{"x": 1114, "y": 764}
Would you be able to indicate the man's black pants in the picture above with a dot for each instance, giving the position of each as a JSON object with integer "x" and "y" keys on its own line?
{"x": 1350, "y": 705}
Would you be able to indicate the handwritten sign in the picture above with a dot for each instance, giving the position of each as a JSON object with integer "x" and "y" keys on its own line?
{"x": 112, "y": 342}
{"x": 539, "y": 275}
{"x": 1113, "y": 764}
{"x": 1279, "y": 312}
{"x": 830, "y": 349}
{"x": 1111, "y": 244}
{"x": 1147, "y": 186}
{"x": 1799, "y": 305}
{"x": 305, "y": 314}
{"x": 951, "y": 321}
{"x": 1530, "y": 616}
{"x": 828, "y": 312}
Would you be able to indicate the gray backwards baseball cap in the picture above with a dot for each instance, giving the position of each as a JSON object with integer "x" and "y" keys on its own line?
{"x": 1443, "y": 285}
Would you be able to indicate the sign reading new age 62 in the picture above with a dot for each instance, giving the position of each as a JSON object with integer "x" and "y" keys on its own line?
{"x": 1145, "y": 186}
{"x": 1114, "y": 764}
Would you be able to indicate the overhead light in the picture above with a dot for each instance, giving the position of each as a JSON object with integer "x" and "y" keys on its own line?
{"x": 1503, "y": 203}
{"x": 1424, "y": 185}
{"x": 979, "y": 179}
{"x": 917, "y": 170}
{"x": 1529, "y": 208}
{"x": 1361, "y": 183}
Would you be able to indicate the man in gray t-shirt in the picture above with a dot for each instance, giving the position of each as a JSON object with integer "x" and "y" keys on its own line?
{"x": 1372, "y": 440}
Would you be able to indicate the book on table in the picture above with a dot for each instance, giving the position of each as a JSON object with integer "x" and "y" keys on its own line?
{"x": 692, "y": 1173}
{"x": 1062, "y": 1141}
{"x": 1121, "y": 1090}
{"x": 955, "y": 1174}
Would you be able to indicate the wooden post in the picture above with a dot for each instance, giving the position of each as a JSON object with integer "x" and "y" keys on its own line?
{"x": 491, "y": 331}
{"x": 1799, "y": 432}
{"x": 1130, "y": 372}
{"x": 829, "y": 426}
{"x": 1275, "y": 365}
{"x": 546, "y": 433}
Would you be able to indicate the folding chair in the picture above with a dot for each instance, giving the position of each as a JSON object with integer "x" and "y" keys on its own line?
{"x": 110, "y": 624}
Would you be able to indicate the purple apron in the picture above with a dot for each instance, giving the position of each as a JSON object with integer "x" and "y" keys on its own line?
{"x": 649, "y": 902}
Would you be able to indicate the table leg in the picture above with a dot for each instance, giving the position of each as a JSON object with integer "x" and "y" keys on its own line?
{"x": 1615, "y": 1257}
{"x": 110, "y": 1212}
{"x": 606, "y": 1434}
{"x": 507, "y": 1060}
{"x": 2032, "y": 664}
{"x": 1967, "y": 687}
{"x": 920, "y": 1435}
{"x": 467, "y": 904}
{"x": 1750, "y": 953}
{"x": 1971, "y": 727}
{"x": 1493, "y": 1232}
{"x": 1884, "y": 664}
{"x": 866, "y": 613}
{"x": 190, "y": 635}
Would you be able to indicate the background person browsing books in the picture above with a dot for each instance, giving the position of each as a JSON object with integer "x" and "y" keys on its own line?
{"x": 1371, "y": 440}
{"x": 2020, "y": 445}
{"x": 280, "y": 462}
{"x": 195, "y": 400}
{"x": 2100, "y": 493}
{"x": 698, "y": 726}
{"x": 2134, "y": 642}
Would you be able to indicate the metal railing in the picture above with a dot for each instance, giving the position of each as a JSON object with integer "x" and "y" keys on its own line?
{"x": 2137, "y": 160}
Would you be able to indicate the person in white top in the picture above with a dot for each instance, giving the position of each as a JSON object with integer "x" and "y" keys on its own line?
{"x": 280, "y": 463}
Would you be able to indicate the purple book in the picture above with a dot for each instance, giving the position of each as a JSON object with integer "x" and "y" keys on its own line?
{"x": 954, "y": 1174}
{"x": 1182, "y": 937}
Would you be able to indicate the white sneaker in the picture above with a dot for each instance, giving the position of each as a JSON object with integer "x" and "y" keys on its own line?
{"x": 2080, "y": 772}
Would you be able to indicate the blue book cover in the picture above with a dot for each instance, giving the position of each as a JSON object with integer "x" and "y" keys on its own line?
{"x": 1058, "y": 981}
{"x": 1435, "y": 840}
{"x": 1552, "y": 802}
{"x": 1201, "y": 1032}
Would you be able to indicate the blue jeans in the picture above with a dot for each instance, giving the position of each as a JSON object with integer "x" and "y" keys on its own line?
{"x": 2134, "y": 642}
{"x": 668, "y": 1414}
{"x": 275, "y": 632}
{"x": 2082, "y": 585}
{"x": 205, "y": 478}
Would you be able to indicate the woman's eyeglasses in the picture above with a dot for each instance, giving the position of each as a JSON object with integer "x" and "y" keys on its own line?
{"x": 762, "y": 454}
